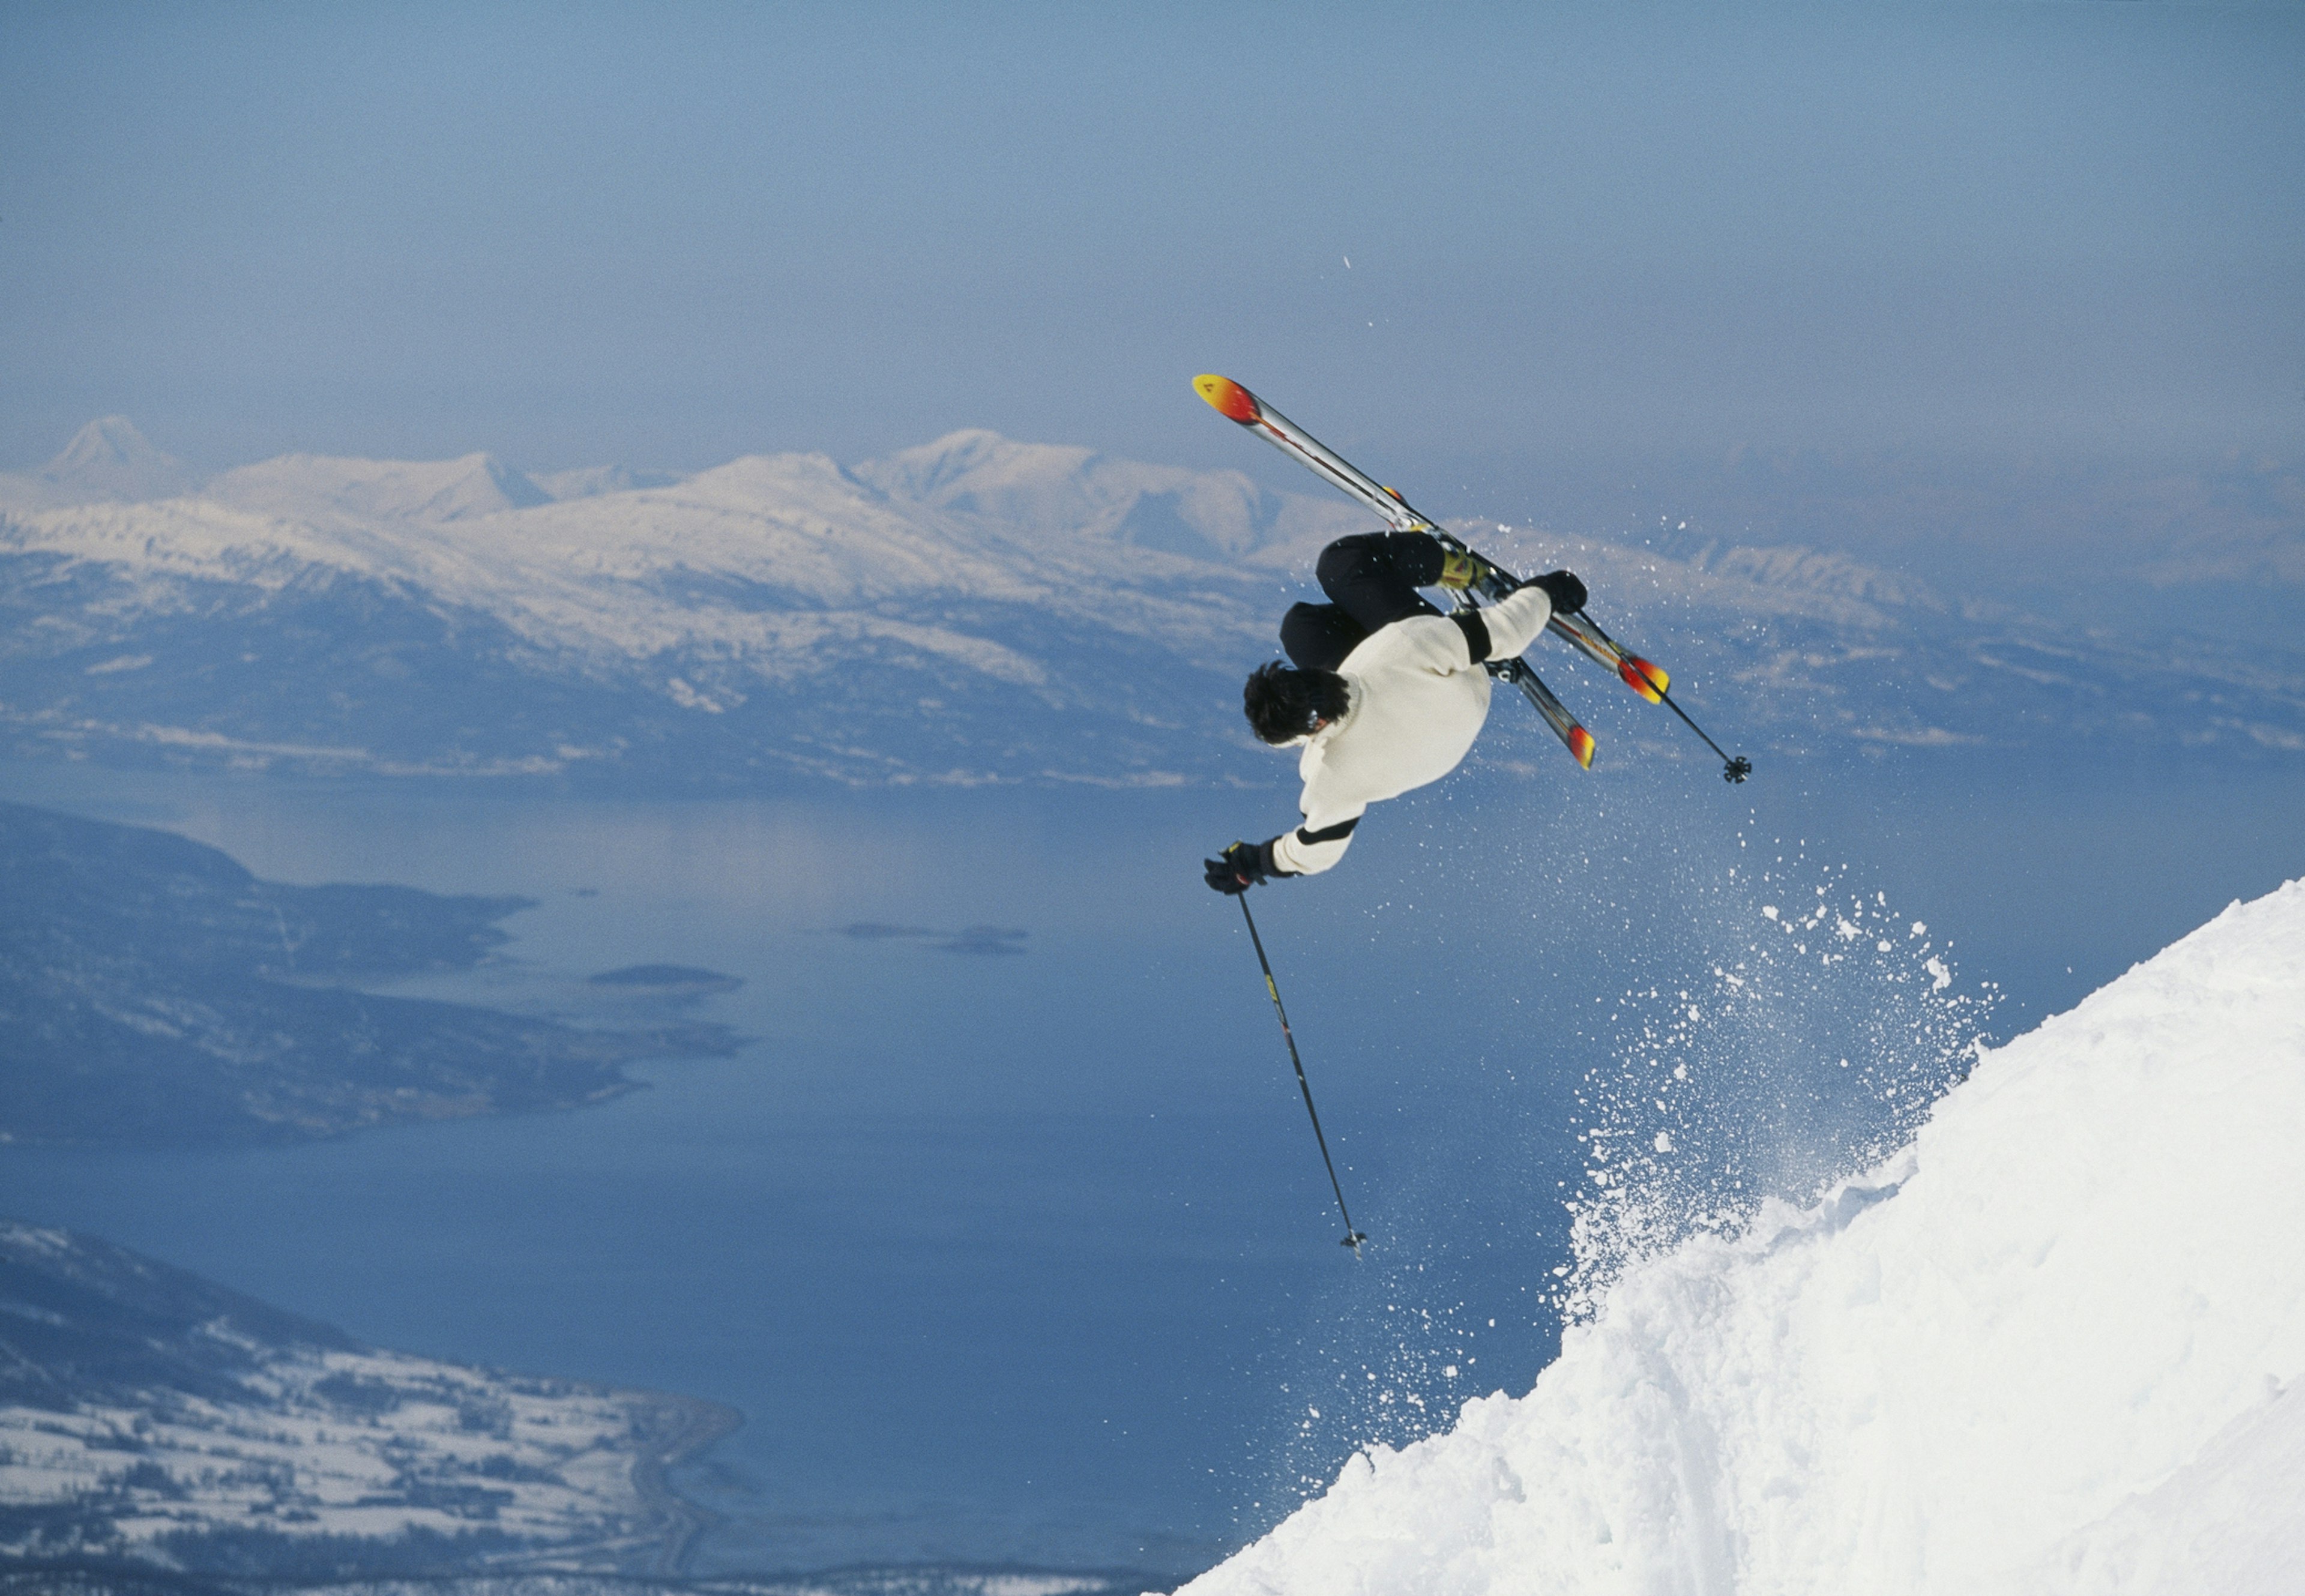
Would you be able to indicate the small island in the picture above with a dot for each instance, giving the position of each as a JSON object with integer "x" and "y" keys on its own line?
{"x": 156, "y": 993}
{"x": 669, "y": 981}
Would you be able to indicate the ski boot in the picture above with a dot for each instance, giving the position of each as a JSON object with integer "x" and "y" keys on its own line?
{"x": 1461, "y": 569}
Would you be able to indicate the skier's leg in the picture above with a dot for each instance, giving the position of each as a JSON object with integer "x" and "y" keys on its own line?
{"x": 1317, "y": 637}
{"x": 1374, "y": 576}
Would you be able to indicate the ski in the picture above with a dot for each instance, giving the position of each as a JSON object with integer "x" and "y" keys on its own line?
{"x": 1733, "y": 770}
{"x": 1235, "y": 402}
{"x": 1554, "y": 713}
{"x": 1649, "y": 680}
{"x": 1578, "y": 631}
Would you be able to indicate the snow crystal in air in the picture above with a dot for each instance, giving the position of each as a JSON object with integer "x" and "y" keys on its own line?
{"x": 1815, "y": 1065}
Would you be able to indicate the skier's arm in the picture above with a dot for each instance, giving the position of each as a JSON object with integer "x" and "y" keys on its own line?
{"x": 1516, "y": 621}
{"x": 1308, "y": 853}
{"x": 1465, "y": 640}
{"x": 1312, "y": 848}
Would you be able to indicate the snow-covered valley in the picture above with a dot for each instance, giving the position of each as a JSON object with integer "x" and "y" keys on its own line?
{"x": 149, "y": 1414}
{"x": 2053, "y": 1344}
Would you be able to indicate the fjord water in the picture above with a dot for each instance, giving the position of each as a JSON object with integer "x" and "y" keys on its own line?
{"x": 1027, "y": 1256}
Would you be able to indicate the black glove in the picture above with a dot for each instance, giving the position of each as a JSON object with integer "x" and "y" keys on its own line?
{"x": 1241, "y": 868}
{"x": 1567, "y": 593}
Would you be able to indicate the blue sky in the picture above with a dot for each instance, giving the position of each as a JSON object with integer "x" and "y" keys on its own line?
{"x": 666, "y": 235}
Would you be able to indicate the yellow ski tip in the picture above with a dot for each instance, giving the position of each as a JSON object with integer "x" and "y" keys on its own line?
{"x": 1228, "y": 398}
{"x": 1648, "y": 680}
{"x": 1580, "y": 745}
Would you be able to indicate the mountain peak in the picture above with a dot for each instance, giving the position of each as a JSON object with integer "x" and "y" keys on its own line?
{"x": 963, "y": 461}
{"x": 300, "y": 486}
{"x": 109, "y": 458}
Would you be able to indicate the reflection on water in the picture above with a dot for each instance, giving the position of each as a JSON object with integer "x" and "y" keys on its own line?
{"x": 1008, "y": 1234}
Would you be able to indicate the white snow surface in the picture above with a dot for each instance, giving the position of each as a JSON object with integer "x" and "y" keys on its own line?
{"x": 2053, "y": 1344}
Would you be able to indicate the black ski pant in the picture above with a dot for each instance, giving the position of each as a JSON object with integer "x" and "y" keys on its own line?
{"x": 1370, "y": 579}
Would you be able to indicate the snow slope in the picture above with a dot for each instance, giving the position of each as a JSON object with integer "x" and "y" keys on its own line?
{"x": 2053, "y": 1344}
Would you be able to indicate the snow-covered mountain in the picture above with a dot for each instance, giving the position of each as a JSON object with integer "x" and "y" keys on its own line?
{"x": 314, "y": 490}
{"x": 107, "y": 459}
{"x": 2053, "y": 1344}
{"x": 972, "y": 610}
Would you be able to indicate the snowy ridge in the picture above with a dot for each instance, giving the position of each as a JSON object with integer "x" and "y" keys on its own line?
{"x": 313, "y": 488}
{"x": 2052, "y": 1344}
{"x": 972, "y": 517}
{"x": 688, "y": 566}
{"x": 973, "y": 609}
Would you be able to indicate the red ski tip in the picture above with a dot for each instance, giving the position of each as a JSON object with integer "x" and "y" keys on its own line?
{"x": 1580, "y": 744}
{"x": 1228, "y": 399}
{"x": 1647, "y": 680}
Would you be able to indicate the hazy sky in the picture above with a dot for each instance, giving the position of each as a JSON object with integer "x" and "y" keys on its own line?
{"x": 667, "y": 235}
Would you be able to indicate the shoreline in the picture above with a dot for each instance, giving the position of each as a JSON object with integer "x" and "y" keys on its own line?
{"x": 698, "y": 1423}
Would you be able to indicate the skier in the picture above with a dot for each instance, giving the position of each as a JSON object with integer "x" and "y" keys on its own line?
{"x": 1384, "y": 692}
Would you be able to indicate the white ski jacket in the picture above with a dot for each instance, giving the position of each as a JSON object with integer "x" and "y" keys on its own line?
{"x": 1417, "y": 699}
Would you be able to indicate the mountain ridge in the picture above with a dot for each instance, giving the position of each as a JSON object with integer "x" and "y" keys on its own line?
{"x": 973, "y": 609}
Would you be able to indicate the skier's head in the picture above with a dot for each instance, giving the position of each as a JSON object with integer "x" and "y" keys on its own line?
{"x": 1283, "y": 703}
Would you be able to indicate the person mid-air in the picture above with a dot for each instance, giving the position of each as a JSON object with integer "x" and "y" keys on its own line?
{"x": 1383, "y": 692}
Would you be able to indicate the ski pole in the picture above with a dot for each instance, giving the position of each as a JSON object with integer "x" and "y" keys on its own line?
{"x": 1353, "y": 1238}
{"x": 1732, "y": 770}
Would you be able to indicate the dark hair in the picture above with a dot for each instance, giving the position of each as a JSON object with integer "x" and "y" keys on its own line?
{"x": 1282, "y": 702}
